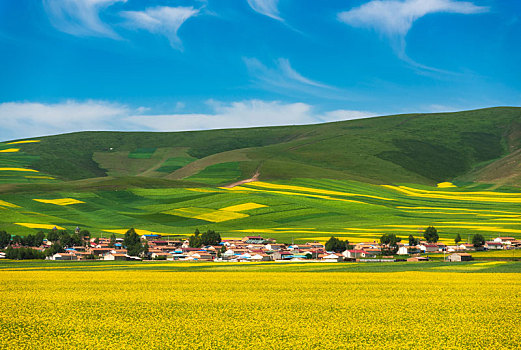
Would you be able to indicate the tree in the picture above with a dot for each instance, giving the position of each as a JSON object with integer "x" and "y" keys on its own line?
{"x": 431, "y": 234}
{"x": 53, "y": 236}
{"x": 194, "y": 241}
{"x": 17, "y": 240}
{"x": 336, "y": 245}
{"x": 478, "y": 240}
{"x": 390, "y": 241}
{"x": 457, "y": 239}
{"x": 53, "y": 249}
{"x": 5, "y": 239}
{"x": 132, "y": 242}
{"x": 38, "y": 239}
{"x": 413, "y": 241}
{"x": 112, "y": 240}
{"x": 210, "y": 237}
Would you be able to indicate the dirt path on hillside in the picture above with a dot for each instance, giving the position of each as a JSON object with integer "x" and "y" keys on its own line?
{"x": 254, "y": 178}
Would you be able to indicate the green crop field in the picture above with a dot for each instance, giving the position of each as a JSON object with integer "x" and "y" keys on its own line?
{"x": 355, "y": 180}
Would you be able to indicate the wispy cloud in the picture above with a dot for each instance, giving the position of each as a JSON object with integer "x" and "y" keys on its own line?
{"x": 33, "y": 119}
{"x": 80, "y": 17}
{"x": 30, "y": 119}
{"x": 394, "y": 19}
{"x": 281, "y": 77}
{"x": 266, "y": 7}
{"x": 250, "y": 113}
{"x": 161, "y": 20}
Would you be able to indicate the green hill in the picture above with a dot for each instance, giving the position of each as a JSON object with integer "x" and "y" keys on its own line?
{"x": 420, "y": 148}
{"x": 315, "y": 180}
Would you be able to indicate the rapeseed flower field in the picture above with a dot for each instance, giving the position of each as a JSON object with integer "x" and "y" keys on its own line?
{"x": 130, "y": 309}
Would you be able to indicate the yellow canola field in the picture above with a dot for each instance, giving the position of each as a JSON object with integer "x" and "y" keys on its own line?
{"x": 446, "y": 185}
{"x": 495, "y": 197}
{"x": 19, "y": 169}
{"x": 42, "y": 226}
{"x": 242, "y": 189}
{"x": 311, "y": 190}
{"x": 138, "y": 231}
{"x": 7, "y": 204}
{"x": 40, "y": 177}
{"x": 259, "y": 310}
{"x": 245, "y": 206}
{"x": 206, "y": 214}
{"x": 9, "y": 150}
{"x": 20, "y": 142}
{"x": 59, "y": 201}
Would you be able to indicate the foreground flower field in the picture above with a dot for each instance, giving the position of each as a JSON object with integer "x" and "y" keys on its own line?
{"x": 160, "y": 309}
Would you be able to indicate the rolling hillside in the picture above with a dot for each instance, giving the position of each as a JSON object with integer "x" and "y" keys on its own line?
{"x": 355, "y": 179}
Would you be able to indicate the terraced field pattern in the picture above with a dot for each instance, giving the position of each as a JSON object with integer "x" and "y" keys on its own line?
{"x": 355, "y": 180}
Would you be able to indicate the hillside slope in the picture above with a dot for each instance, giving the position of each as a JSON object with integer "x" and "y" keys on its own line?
{"x": 413, "y": 148}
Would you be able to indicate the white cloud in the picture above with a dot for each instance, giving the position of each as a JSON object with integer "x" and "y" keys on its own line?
{"x": 266, "y": 7}
{"x": 283, "y": 78}
{"x": 251, "y": 113}
{"x": 80, "y": 17}
{"x": 161, "y": 20}
{"x": 393, "y": 17}
{"x": 29, "y": 119}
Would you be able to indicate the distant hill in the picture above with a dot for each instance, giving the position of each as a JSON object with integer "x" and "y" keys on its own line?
{"x": 478, "y": 145}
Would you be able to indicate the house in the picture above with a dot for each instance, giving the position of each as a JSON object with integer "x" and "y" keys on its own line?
{"x": 429, "y": 247}
{"x": 253, "y": 240}
{"x": 354, "y": 254}
{"x": 418, "y": 258}
{"x": 260, "y": 257}
{"x": 2, "y": 255}
{"x": 116, "y": 257}
{"x": 160, "y": 256}
{"x": 282, "y": 255}
{"x": 460, "y": 257}
{"x": 63, "y": 256}
{"x": 504, "y": 240}
{"x": 494, "y": 245}
{"x": 331, "y": 257}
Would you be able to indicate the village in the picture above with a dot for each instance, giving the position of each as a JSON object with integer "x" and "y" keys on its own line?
{"x": 258, "y": 249}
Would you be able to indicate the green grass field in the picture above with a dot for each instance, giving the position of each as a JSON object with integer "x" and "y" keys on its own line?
{"x": 298, "y": 210}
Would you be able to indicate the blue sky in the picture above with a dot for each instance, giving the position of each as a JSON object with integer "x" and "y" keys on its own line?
{"x": 167, "y": 65}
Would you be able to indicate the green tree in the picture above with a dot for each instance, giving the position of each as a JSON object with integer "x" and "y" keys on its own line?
{"x": 431, "y": 234}
{"x": 53, "y": 236}
{"x": 132, "y": 242}
{"x": 457, "y": 239}
{"x": 194, "y": 241}
{"x": 5, "y": 239}
{"x": 210, "y": 237}
{"x": 53, "y": 249}
{"x": 390, "y": 242}
{"x": 336, "y": 245}
{"x": 413, "y": 241}
{"x": 17, "y": 240}
{"x": 478, "y": 240}
{"x": 38, "y": 239}
{"x": 112, "y": 241}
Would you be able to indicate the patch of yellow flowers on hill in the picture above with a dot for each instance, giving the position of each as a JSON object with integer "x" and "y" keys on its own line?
{"x": 258, "y": 310}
